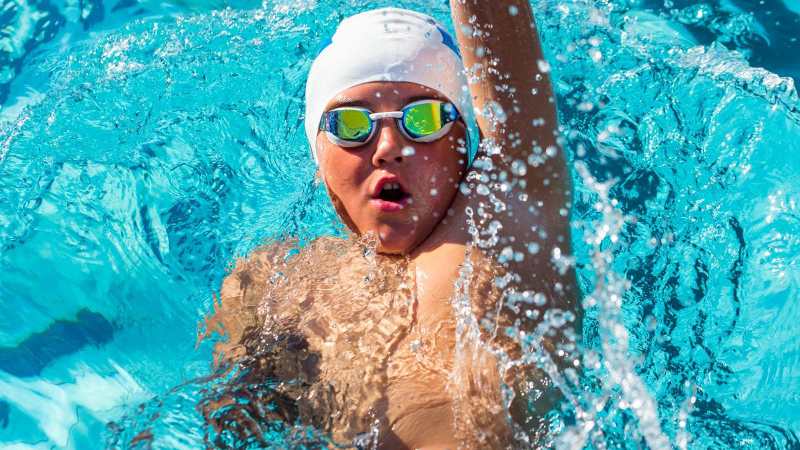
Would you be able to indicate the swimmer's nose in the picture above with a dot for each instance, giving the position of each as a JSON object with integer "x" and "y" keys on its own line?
{"x": 389, "y": 147}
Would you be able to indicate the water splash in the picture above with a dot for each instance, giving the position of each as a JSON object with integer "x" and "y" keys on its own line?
{"x": 701, "y": 145}
{"x": 608, "y": 295}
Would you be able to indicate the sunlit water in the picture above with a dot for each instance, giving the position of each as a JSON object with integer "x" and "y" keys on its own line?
{"x": 140, "y": 157}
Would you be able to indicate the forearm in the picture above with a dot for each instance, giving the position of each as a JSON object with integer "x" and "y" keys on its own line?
{"x": 503, "y": 57}
{"x": 502, "y": 54}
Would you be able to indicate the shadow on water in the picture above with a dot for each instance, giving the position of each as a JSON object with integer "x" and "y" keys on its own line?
{"x": 62, "y": 337}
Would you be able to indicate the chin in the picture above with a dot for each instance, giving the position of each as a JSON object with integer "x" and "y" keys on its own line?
{"x": 393, "y": 247}
{"x": 395, "y": 242}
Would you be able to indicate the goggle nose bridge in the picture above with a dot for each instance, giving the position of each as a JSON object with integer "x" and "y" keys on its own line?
{"x": 387, "y": 114}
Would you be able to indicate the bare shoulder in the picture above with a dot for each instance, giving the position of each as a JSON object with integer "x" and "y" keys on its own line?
{"x": 236, "y": 307}
{"x": 241, "y": 284}
{"x": 276, "y": 280}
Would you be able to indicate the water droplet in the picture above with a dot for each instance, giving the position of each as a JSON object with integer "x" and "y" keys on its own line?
{"x": 505, "y": 255}
{"x": 544, "y": 66}
{"x": 519, "y": 168}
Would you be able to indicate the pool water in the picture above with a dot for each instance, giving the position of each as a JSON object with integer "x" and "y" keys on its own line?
{"x": 144, "y": 146}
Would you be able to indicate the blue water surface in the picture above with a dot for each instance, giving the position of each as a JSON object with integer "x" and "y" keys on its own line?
{"x": 145, "y": 145}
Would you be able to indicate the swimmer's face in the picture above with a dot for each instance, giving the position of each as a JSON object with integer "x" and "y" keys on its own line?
{"x": 428, "y": 173}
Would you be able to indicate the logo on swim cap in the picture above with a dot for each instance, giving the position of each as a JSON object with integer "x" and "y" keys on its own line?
{"x": 448, "y": 41}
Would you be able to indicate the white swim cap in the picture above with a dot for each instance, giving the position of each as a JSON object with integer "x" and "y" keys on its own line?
{"x": 388, "y": 44}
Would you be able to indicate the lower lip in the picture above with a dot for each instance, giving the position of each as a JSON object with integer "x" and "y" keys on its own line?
{"x": 387, "y": 206}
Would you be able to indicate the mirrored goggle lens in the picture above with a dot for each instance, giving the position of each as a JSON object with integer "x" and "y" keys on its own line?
{"x": 349, "y": 124}
{"x": 424, "y": 119}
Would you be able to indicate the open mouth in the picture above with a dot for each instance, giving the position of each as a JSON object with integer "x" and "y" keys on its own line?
{"x": 389, "y": 195}
{"x": 393, "y": 192}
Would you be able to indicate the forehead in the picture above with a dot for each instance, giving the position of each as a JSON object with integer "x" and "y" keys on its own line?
{"x": 383, "y": 95}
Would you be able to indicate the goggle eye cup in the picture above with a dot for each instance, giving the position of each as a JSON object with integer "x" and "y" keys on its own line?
{"x": 421, "y": 121}
{"x": 347, "y": 127}
{"x": 427, "y": 120}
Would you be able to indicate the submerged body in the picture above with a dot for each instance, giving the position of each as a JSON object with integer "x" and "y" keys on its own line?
{"x": 374, "y": 344}
{"x": 402, "y": 336}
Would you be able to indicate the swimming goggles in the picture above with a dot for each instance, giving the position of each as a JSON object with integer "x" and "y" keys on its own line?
{"x": 420, "y": 121}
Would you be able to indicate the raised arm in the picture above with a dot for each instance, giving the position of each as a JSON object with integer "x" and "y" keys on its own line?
{"x": 510, "y": 85}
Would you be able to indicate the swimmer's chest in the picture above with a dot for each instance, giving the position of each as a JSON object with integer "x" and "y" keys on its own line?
{"x": 435, "y": 275}
{"x": 385, "y": 305}
{"x": 382, "y": 356}
{"x": 419, "y": 400}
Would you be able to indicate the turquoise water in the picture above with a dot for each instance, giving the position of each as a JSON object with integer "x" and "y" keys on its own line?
{"x": 144, "y": 146}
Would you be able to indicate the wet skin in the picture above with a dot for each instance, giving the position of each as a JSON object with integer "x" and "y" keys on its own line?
{"x": 430, "y": 230}
{"x": 527, "y": 207}
{"x": 429, "y": 172}
{"x": 432, "y": 233}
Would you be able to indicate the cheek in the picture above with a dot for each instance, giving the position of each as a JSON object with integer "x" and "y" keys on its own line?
{"x": 451, "y": 164}
{"x": 342, "y": 173}
{"x": 440, "y": 176}
{"x": 339, "y": 184}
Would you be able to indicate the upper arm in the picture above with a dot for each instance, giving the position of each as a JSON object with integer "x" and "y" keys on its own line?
{"x": 520, "y": 188}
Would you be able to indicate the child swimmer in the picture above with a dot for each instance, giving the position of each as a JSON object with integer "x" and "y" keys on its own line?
{"x": 396, "y": 338}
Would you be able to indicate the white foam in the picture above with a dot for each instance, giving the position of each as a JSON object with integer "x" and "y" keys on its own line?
{"x": 54, "y": 406}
